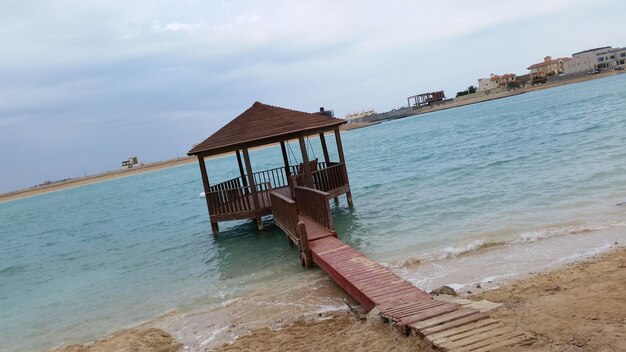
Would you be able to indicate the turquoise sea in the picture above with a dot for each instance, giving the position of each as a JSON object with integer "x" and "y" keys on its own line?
{"x": 80, "y": 263}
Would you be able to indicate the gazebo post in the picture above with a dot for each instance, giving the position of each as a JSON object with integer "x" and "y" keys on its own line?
{"x": 241, "y": 172}
{"x": 305, "y": 162}
{"x": 207, "y": 190}
{"x": 324, "y": 148}
{"x": 342, "y": 160}
{"x": 255, "y": 198}
{"x": 285, "y": 161}
{"x": 326, "y": 157}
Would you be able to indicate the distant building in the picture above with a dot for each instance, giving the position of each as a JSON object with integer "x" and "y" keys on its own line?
{"x": 610, "y": 59}
{"x": 359, "y": 115}
{"x": 495, "y": 81}
{"x": 426, "y": 99}
{"x": 585, "y": 61}
{"x": 131, "y": 162}
{"x": 549, "y": 67}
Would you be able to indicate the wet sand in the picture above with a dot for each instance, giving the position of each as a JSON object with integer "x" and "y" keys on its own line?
{"x": 581, "y": 307}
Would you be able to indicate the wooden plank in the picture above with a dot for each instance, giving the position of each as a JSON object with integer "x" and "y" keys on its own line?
{"x": 409, "y": 294}
{"x": 345, "y": 249}
{"x": 485, "y": 323}
{"x": 444, "y": 319}
{"x": 380, "y": 285}
{"x": 412, "y": 308}
{"x": 391, "y": 290}
{"x": 476, "y": 338}
{"x": 494, "y": 343}
{"x": 428, "y": 314}
{"x": 504, "y": 343}
{"x": 414, "y": 295}
{"x": 402, "y": 305}
{"x": 395, "y": 291}
{"x": 455, "y": 323}
{"x": 371, "y": 274}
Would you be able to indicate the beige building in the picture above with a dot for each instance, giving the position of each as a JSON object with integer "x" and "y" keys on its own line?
{"x": 610, "y": 59}
{"x": 585, "y": 61}
{"x": 355, "y": 116}
{"x": 549, "y": 67}
{"x": 495, "y": 81}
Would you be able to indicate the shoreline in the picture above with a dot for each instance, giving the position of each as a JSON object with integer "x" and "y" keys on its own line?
{"x": 82, "y": 181}
{"x": 158, "y": 165}
{"x": 469, "y": 100}
{"x": 315, "y": 303}
{"x": 577, "y": 307}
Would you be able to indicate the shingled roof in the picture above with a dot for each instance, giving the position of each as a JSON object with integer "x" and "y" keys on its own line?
{"x": 263, "y": 123}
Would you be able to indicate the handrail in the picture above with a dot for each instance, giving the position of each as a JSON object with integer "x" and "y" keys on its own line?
{"x": 238, "y": 199}
{"x": 326, "y": 179}
{"x": 275, "y": 176}
{"x": 285, "y": 214}
{"x": 314, "y": 204}
{"x": 330, "y": 178}
{"x": 230, "y": 201}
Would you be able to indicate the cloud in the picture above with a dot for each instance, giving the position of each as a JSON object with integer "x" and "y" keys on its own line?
{"x": 178, "y": 70}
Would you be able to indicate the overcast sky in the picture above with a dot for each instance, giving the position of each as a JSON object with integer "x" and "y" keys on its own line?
{"x": 86, "y": 84}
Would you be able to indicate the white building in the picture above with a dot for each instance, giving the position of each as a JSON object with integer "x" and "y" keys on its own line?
{"x": 131, "y": 162}
{"x": 611, "y": 59}
{"x": 585, "y": 61}
{"x": 495, "y": 81}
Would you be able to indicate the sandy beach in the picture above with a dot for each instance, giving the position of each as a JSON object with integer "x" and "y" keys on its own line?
{"x": 579, "y": 307}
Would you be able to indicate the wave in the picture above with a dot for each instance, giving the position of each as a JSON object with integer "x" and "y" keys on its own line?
{"x": 482, "y": 244}
{"x": 550, "y": 232}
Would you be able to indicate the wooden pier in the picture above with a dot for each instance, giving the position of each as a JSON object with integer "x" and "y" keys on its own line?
{"x": 298, "y": 195}
{"x": 448, "y": 326}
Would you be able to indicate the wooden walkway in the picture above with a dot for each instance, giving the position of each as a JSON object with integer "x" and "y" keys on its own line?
{"x": 447, "y": 326}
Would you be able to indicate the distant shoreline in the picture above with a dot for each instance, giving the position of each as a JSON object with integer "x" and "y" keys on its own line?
{"x": 469, "y": 100}
{"x": 76, "y": 182}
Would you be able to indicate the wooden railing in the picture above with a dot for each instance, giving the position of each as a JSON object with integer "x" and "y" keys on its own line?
{"x": 330, "y": 178}
{"x": 275, "y": 176}
{"x": 238, "y": 200}
{"x": 229, "y": 184}
{"x": 314, "y": 205}
{"x": 285, "y": 215}
{"x": 263, "y": 192}
{"x": 326, "y": 179}
{"x": 230, "y": 201}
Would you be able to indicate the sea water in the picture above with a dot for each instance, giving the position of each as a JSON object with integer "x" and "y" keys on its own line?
{"x": 79, "y": 263}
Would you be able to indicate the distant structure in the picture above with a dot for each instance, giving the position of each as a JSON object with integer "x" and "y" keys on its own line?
{"x": 585, "y": 61}
{"x": 611, "y": 59}
{"x": 131, "y": 162}
{"x": 359, "y": 115}
{"x": 426, "y": 99}
{"x": 495, "y": 81}
{"x": 540, "y": 72}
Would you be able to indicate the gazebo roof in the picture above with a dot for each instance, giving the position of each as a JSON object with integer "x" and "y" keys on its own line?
{"x": 264, "y": 124}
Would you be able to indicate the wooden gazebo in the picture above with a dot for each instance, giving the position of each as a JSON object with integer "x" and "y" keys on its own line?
{"x": 248, "y": 195}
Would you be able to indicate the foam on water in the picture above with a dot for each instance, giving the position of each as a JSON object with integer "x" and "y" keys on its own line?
{"x": 447, "y": 197}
